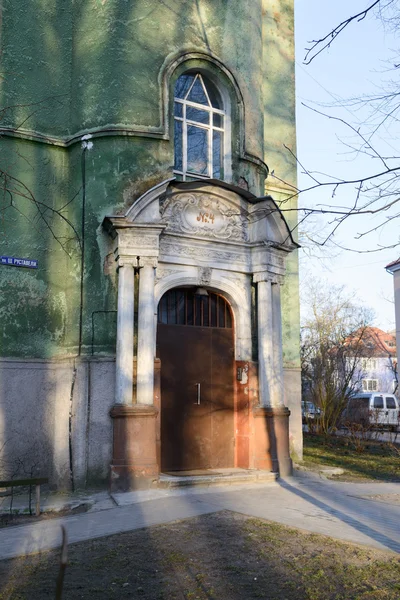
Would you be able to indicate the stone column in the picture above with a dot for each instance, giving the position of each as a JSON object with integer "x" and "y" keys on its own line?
{"x": 265, "y": 337}
{"x": 277, "y": 381}
{"x": 125, "y": 317}
{"x": 134, "y": 464}
{"x": 136, "y": 425}
{"x": 271, "y": 418}
{"x": 146, "y": 342}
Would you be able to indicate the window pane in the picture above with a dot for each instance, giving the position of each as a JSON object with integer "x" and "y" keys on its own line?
{"x": 197, "y": 149}
{"x": 182, "y": 85}
{"x": 162, "y": 311}
{"x": 214, "y": 95}
{"x": 378, "y": 402}
{"x": 206, "y": 308}
{"x": 194, "y": 114}
{"x": 180, "y": 298}
{"x": 390, "y": 403}
{"x": 178, "y": 145}
{"x": 172, "y": 308}
{"x": 190, "y": 301}
{"x": 213, "y": 302}
{"x": 178, "y": 109}
{"x": 217, "y": 162}
{"x": 198, "y": 310}
{"x": 218, "y": 120}
{"x": 221, "y": 312}
{"x": 197, "y": 93}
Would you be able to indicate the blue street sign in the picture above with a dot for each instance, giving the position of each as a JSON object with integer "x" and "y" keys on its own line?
{"x": 11, "y": 261}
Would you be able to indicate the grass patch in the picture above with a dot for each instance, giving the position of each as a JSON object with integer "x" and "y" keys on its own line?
{"x": 377, "y": 461}
{"x": 228, "y": 556}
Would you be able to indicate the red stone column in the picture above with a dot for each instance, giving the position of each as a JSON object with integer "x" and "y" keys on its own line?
{"x": 270, "y": 443}
{"x": 134, "y": 464}
{"x": 136, "y": 442}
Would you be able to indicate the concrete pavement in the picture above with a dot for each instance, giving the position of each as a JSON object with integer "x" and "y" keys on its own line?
{"x": 365, "y": 513}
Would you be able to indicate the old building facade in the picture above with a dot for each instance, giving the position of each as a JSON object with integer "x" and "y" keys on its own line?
{"x": 155, "y": 325}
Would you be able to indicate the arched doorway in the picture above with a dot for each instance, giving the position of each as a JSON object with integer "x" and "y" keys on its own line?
{"x": 195, "y": 342}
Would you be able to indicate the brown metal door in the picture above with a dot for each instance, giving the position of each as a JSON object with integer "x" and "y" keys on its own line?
{"x": 196, "y": 397}
{"x": 222, "y": 434}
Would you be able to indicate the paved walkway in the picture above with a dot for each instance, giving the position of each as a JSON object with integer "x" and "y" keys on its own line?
{"x": 365, "y": 513}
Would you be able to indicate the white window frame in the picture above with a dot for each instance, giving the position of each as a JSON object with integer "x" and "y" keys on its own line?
{"x": 210, "y": 128}
{"x": 370, "y": 385}
{"x": 368, "y": 364}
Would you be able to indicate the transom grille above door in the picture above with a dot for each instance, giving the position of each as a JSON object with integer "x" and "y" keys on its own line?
{"x": 182, "y": 306}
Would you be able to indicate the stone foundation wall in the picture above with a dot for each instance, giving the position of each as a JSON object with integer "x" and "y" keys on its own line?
{"x": 54, "y": 419}
{"x": 292, "y": 400}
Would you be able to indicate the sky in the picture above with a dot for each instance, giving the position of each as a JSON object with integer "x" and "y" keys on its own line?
{"x": 356, "y": 63}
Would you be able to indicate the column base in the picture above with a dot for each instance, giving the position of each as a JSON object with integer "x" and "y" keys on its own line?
{"x": 271, "y": 440}
{"x": 134, "y": 464}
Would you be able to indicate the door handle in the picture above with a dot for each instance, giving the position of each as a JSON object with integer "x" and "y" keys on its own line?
{"x": 198, "y": 393}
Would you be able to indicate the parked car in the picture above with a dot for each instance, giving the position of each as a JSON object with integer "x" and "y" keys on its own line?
{"x": 381, "y": 410}
{"x": 309, "y": 411}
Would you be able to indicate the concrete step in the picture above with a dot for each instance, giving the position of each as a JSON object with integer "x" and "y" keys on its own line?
{"x": 214, "y": 477}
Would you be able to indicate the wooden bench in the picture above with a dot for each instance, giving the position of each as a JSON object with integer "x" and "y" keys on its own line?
{"x": 36, "y": 481}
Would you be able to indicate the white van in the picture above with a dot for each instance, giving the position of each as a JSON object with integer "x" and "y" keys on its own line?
{"x": 373, "y": 409}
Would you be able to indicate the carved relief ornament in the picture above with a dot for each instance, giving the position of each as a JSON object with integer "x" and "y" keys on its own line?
{"x": 162, "y": 272}
{"x": 205, "y": 275}
{"x": 204, "y": 215}
{"x": 205, "y": 253}
{"x": 147, "y": 261}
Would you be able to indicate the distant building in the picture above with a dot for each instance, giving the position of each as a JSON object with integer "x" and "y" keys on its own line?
{"x": 378, "y": 363}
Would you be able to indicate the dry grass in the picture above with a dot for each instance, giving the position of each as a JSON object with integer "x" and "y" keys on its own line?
{"x": 224, "y": 556}
{"x": 378, "y": 460}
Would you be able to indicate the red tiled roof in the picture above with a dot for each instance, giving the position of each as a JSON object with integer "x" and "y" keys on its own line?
{"x": 378, "y": 341}
{"x": 393, "y": 263}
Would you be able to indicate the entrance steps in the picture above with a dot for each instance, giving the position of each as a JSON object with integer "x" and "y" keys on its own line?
{"x": 214, "y": 477}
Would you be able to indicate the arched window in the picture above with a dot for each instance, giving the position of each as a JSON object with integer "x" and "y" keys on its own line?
{"x": 182, "y": 306}
{"x": 199, "y": 128}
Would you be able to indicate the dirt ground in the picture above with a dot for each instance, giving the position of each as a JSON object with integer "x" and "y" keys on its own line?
{"x": 224, "y": 556}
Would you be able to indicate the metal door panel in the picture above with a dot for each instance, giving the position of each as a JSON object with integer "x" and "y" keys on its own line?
{"x": 222, "y": 422}
{"x": 196, "y": 435}
{"x": 185, "y": 425}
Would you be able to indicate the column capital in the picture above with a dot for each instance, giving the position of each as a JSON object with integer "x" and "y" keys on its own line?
{"x": 126, "y": 261}
{"x": 147, "y": 261}
{"x": 273, "y": 278}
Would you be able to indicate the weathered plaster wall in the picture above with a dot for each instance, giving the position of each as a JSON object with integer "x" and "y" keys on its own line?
{"x": 280, "y": 131}
{"x": 39, "y": 401}
{"x": 101, "y": 67}
{"x": 98, "y": 65}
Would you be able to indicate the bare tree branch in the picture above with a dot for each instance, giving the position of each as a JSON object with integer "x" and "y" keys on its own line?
{"x": 321, "y": 44}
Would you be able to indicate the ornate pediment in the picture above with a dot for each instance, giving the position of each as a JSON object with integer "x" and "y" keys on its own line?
{"x": 204, "y": 215}
{"x": 207, "y": 223}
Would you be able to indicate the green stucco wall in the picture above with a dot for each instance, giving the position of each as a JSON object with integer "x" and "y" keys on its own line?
{"x": 106, "y": 67}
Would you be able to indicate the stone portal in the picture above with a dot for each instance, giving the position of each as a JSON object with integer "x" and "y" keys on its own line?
{"x": 182, "y": 236}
